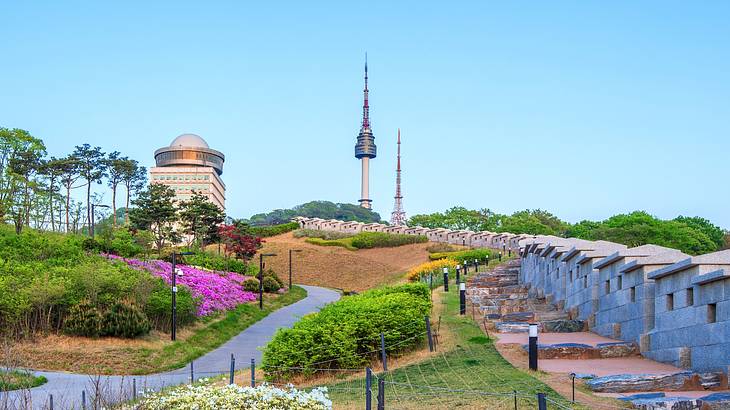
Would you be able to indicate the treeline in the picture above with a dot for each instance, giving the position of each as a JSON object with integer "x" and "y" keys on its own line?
{"x": 35, "y": 190}
{"x": 692, "y": 235}
{"x": 317, "y": 209}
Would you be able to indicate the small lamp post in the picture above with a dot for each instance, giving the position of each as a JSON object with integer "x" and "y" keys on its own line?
{"x": 94, "y": 206}
{"x": 458, "y": 277}
{"x": 173, "y": 278}
{"x": 261, "y": 278}
{"x": 462, "y": 298}
{"x": 290, "y": 252}
{"x": 532, "y": 332}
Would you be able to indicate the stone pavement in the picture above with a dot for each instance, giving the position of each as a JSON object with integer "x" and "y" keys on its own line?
{"x": 67, "y": 388}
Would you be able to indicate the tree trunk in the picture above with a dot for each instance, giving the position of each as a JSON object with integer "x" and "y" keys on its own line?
{"x": 88, "y": 205}
{"x": 126, "y": 209}
{"x": 50, "y": 205}
{"x": 68, "y": 204}
{"x": 114, "y": 205}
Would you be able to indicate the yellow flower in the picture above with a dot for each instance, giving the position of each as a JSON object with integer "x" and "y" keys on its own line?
{"x": 430, "y": 267}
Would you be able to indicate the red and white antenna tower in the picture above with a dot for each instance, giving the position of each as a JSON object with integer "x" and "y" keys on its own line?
{"x": 398, "y": 217}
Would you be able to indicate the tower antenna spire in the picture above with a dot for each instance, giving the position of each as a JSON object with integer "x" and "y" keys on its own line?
{"x": 398, "y": 217}
{"x": 365, "y": 146}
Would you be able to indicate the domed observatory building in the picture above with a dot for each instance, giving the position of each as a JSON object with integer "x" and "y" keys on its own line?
{"x": 188, "y": 165}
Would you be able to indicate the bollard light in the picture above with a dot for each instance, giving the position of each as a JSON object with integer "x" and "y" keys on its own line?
{"x": 532, "y": 332}
{"x": 462, "y": 298}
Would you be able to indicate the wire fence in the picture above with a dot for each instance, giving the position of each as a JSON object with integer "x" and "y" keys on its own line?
{"x": 451, "y": 373}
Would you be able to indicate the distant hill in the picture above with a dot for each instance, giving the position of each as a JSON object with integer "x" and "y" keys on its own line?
{"x": 317, "y": 209}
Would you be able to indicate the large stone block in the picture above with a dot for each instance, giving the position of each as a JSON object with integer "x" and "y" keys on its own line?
{"x": 682, "y": 381}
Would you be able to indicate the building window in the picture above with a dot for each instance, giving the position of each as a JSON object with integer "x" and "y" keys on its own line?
{"x": 670, "y": 301}
{"x": 620, "y": 282}
{"x": 633, "y": 293}
{"x": 585, "y": 282}
{"x": 607, "y": 286}
{"x": 690, "y": 296}
{"x": 711, "y": 313}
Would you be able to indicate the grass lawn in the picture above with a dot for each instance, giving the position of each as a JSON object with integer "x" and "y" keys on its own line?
{"x": 153, "y": 354}
{"x": 466, "y": 371}
{"x": 17, "y": 379}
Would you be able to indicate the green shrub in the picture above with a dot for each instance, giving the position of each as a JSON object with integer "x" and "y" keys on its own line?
{"x": 213, "y": 261}
{"x": 345, "y": 334}
{"x": 467, "y": 255}
{"x": 314, "y": 233}
{"x": 367, "y": 240}
{"x": 273, "y": 230}
{"x": 159, "y": 306}
{"x": 125, "y": 320}
{"x": 344, "y": 242}
{"x": 272, "y": 274}
{"x": 271, "y": 285}
{"x": 83, "y": 319}
{"x": 251, "y": 285}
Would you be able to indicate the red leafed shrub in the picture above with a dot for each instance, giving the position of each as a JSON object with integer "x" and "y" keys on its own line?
{"x": 244, "y": 246}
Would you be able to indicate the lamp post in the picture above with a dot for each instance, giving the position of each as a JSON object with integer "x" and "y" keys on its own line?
{"x": 91, "y": 228}
{"x": 462, "y": 298}
{"x": 175, "y": 273}
{"x": 261, "y": 278}
{"x": 290, "y": 252}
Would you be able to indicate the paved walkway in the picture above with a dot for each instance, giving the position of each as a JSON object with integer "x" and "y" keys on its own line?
{"x": 67, "y": 388}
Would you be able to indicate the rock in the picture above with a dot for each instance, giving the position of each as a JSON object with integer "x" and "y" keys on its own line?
{"x": 667, "y": 403}
{"x": 622, "y": 383}
{"x": 564, "y": 351}
{"x": 519, "y": 317}
{"x": 585, "y": 376}
{"x": 563, "y": 326}
{"x": 710, "y": 381}
{"x": 617, "y": 349}
{"x": 642, "y": 396}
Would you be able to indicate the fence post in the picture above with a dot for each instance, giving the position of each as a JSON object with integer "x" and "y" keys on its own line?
{"x": 368, "y": 386}
{"x": 381, "y": 394}
{"x": 134, "y": 389}
{"x": 383, "y": 354}
{"x": 253, "y": 372}
{"x": 83, "y": 399}
{"x": 233, "y": 368}
{"x": 430, "y": 336}
{"x": 541, "y": 403}
{"x": 50, "y": 401}
{"x": 192, "y": 373}
{"x": 515, "y": 393}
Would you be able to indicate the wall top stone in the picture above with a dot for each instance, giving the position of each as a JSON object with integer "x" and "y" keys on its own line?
{"x": 643, "y": 250}
{"x": 711, "y": 259}
{"x": 713, "y": 276}
{"x": 666, "y": 258}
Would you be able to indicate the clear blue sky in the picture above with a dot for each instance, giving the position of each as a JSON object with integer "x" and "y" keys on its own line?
{"x": 586, "y": 109}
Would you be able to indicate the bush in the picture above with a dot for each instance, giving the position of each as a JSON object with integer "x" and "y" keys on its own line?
{"x": 83, "y": 319}
{"x": 367, "y": 240}
{"x": 212, "y": 261}
{"x": 345, "y": 334}
{"x": 159, "y": 306}
{"x": 212, "y": 396}
{"x": 441, "y": 247}
{"x": 273, "y": 230}
{"x": 271, "y": 285}
{"x": 272, "y": 274}
{"x": 433, "y": 267}
{"x": 467, "y": 255}
{"x": 125, "y": 320}
{"x": 251, "y": 285}
{"x": 344, "y": 242}
{"x": 314, "y": 233}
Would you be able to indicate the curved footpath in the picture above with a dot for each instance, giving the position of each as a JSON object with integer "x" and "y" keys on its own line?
{"x": 67, "y": 388}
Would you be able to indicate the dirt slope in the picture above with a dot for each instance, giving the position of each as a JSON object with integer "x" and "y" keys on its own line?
{"x": 337, "y": 267}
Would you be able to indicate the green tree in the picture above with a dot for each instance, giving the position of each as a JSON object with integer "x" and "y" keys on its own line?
{"x": 714, "y": 232}
{"x": 200, "y": 218}
{"x": 134, "y": 178}
{"x": 69, "y": 174}
{"x": 155, "y": 211}
{"x": 22, "y": 166}
{"x": 92, "y": 166}
{"x": 116, "y": 166}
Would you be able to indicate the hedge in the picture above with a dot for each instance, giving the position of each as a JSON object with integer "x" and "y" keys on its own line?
{"x": 346, "y": 334}
{"x": 468, "y": 255}
{"x": 273, "y": 230}
{"x": 367, "y": 240}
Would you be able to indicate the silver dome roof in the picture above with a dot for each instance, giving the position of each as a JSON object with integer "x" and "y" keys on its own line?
{"x": 189, "y": 140}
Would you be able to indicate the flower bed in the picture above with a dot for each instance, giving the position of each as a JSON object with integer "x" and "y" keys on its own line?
{"x": 216, "y": 291}
{"x": 233, "y": 397}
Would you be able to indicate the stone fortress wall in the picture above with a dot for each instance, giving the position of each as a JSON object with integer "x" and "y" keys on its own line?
{"x": 676, "y": 307}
